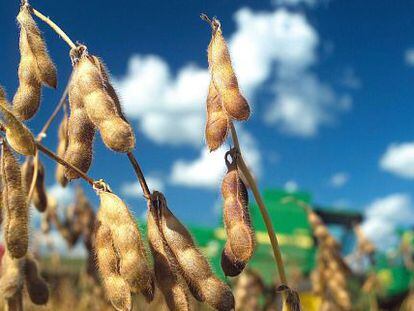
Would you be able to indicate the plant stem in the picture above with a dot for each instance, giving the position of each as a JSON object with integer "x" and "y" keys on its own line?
{"x": 34, "y": 178}
{"x": 263, "y": 210}
{"x": 54, "y": 114}
{"x": 55, "y": 157}
{"x": 55, "y": 27}
{"x": 140, "y": 175}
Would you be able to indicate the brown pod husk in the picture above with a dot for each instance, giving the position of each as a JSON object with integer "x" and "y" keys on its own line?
{"x": 230, "y": 265}
{"x": 15, "y": 203}
{"x": 61, "y": 150}
{"x": 116, "y": 288}
{"x": 217, "y": 124}
{"x": 223, "y": 75}
{"x": 39, "y": 197}
{"x": 203, "y": 284}
{"x": 167, "y": 275}
{"x": 11, "y": 275}
{"x": 80, "y": 131}
{"x": 240, "y": 235}
{"x": 292, "y": 301}
{"x": 101, "y": 108}
{"x": 18, "y": 135}
{"x": 36, "y": 287}
{"x": 35, "y": 68}
{"x": 134, "y": 267}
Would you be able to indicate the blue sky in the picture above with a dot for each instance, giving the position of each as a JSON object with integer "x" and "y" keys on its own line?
{"x": 330, "y": 83}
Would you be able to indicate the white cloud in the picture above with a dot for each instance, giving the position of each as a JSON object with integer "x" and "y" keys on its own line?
{"x": 291, "y": 186}
{"x": 310, "y": 3}
{"x": 265, "y": 39}
{"x": 409, "y": 57}
{"x": 64, "y": 196}
{"x": 339, "y": 179}
{"x": 133, "y": 189}
{"x": 384, "y": 216}
{"x": 399, "y": 159}
{"x": 54, "y": 242}
{"x": 170, "y": 109}
{"x": 302, "y": 105}
{"x": 208, "y": 169}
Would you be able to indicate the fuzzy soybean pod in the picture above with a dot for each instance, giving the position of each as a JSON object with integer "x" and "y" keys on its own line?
{"x": 15, "y": 204}
{"x": 18, "y": 135}
{"x": 230, "y": 265}
{"x": 203, "y": 284}
{"x": 35, "y": 284}
{"x": 167, "y": 275}
{"x": 61, "y": 150}
{"x": 116, "y": 288}
{"x": 224, "y": 77}
{"x": 80, "y": 131}
{"x": 102, "y": 109}
{"x": 240, "y": 236}
{"x": 35, "y": 68}
{"x": 11, "y": 275}
{"x": 39, "y": 198}
{"x": 217, "y": 124}
{"x": 133, "y": 266}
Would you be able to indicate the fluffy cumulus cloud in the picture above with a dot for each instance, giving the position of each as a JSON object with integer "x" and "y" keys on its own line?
{"x": 169, "y": 108}
{"x": 339, "y": 179}
{"x": 207, "y": 170}
{"x": 399, "y": 159}
{"x": 384, "y": 215}
{"x": 133, "y": 189}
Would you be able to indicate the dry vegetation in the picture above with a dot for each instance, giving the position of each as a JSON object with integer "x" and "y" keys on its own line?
{"x": 176, "y": 276}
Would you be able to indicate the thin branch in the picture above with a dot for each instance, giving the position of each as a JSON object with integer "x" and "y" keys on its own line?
{"x": 262, "y": 207}
{"x": 55, "y": 157}
{"x": 55, "y": 27}
{"x": 34, "y": 178}
{"x": 140, "y": 175}
{"x": 59, "y": 106}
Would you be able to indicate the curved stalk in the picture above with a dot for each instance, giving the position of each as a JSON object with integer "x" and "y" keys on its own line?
{"x": 262, "y": 207}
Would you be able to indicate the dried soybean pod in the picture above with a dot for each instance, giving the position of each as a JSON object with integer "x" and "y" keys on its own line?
{"x": 18, "y": 135}
{"x": 168, "y": 278}
{"x": 46, "y": 70}
{"x": 117, "y": 134}
{"x": 292, "y": 301}
{"x": 203, "y": 284}
{"x": 224, "y": 77}
{"x": 14, "y": 200}
{"x": 80, "y": 131}
{"x": 61, "y": 150}
{"x": 133, "y": 267}
{"x": 35, "y": 285}
{"x": 240, "y": 236}
{"x": 11, "y": 275}
{"x": 217, "y": 124}
{"x": 108, "y": 86}
{"x": 35, "y": 67}
{"x": 39, "y": 198}
{"x": 116, "y": 288}
{"x": 230, "y": 265}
